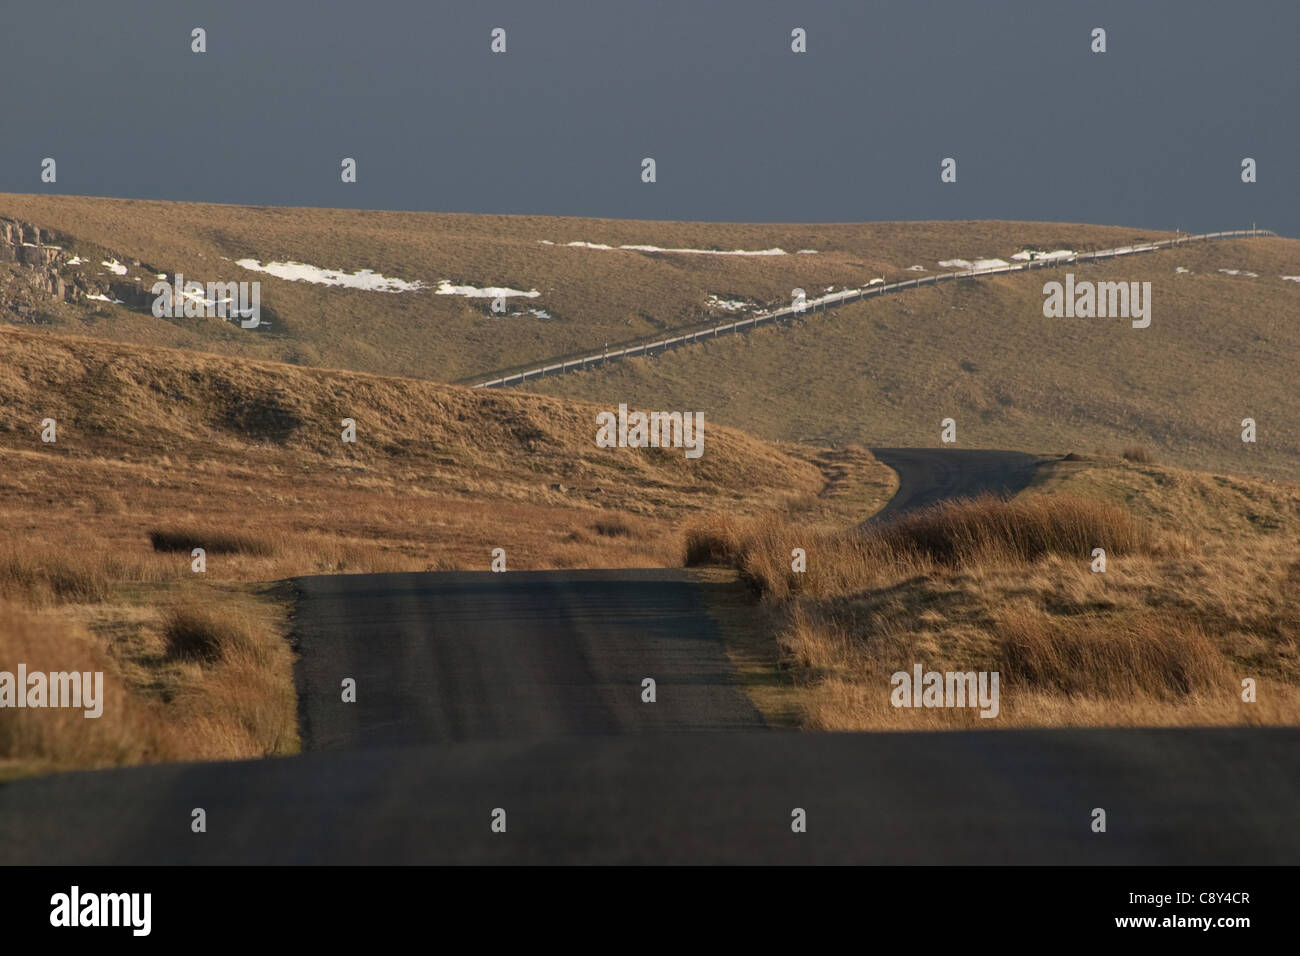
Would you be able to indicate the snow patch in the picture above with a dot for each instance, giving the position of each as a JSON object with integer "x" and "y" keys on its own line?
{"x": 730, "y": 305}
{"x": 1183, "y": 270}
{"x": 1033, "y": 255}
{"x": 473, "y": 292}
{"x": 684, "y": 252}
{"x": 917, "y": 269}
{"x": 1292, "y": 278}
{"x": 1238, "y": 272}
{"x": 366, "y": 279}
{"x": 976, "y": 266}
{"x": 114, "y": 266}
{"x": 98, "y": 297}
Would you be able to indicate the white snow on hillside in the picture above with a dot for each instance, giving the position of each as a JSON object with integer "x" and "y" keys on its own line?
{"x": 98, "y": 297}
{"x": 1032, "y": 255}
{"x": 731, "y": 305}
{"x": 473, "y": 292}
{"x": 1292, "y": 278}
{"x": 917, "y": 269}
{"x": 1183, "y": 270}
{"x": 685, "y": 252}
{"x": 115, "y": 267}
{"x": 1238, "y": 272}
{"x": 977, "y": 265}
{"x": 366, "y": 279}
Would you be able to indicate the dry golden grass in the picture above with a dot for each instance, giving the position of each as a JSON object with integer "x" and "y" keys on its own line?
{"x": 593, "y": 296}
{"x": 1139, "y": 454}
{"x": 156, "y": 706}
{"x": 885, "y": 372}
{"x": 160, "y": 452}
{"x": 1164, "y": 637}
{"x": 876, "y": 372}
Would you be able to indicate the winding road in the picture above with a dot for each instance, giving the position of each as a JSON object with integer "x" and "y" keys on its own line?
{"x": 927, "y": 476}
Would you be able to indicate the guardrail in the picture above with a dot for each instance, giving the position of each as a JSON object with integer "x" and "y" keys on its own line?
{"x": 563, "y": 365}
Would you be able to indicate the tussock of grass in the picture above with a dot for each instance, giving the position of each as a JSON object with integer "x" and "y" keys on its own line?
{"x": 713, "y": 540}
{"x": 1164, "y": 657}
{"x": 206, "y": 635}
{"x": 1021, "y": 529}
{"x": 954, "y": 534}
{"x": 212, "y": 542}
{"x": 1138, "y": 454}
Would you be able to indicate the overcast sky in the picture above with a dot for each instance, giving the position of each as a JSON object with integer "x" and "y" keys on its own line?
{"x": 1151, "y": 133}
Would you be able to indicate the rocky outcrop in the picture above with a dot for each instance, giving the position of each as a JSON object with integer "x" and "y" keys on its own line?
{"x": 54, "y": 270}
{"x": 28, "y": 244}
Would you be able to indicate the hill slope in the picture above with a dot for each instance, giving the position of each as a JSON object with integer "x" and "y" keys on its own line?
{"x": 161, "y": 451}
{"x": 885, "y": 372}
{"x": 1221, "y": 347}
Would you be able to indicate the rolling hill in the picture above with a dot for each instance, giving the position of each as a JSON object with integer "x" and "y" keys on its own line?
{"x": 1223, "y": 344}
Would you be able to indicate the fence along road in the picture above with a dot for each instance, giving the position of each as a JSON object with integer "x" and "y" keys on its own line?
{"x": 560, "y": 366}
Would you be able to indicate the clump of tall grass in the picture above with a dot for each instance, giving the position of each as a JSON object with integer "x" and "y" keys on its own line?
{"x": 211, "y": 541}
{"x": 950, "y": 534}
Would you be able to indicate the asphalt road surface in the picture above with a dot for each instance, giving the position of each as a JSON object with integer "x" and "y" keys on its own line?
{"x": 468, "y": 655}
{"x": 1025, "y": 797}
{"x": 927, "y": 476}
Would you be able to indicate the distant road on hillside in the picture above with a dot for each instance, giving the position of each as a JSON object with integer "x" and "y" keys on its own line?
{"x": 579, "y": 361}
{"x": 927, "y": 476}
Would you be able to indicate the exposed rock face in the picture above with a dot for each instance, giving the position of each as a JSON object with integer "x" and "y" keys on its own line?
{"x": 40, "y": 251}
{"x": 47, "y": 268}
{"x": 35, "y": 249}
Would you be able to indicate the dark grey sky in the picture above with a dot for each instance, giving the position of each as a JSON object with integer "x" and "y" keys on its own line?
{"x": 1151, "y": 133}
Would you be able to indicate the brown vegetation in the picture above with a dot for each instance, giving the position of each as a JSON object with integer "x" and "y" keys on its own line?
{"x": 1164, "y": 637}
{"x": 160, "y": 452}
{"x": 868, "y": 373}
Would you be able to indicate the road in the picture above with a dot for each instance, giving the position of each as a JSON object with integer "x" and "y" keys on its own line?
{"x": 1023, "y": 797}
{"x": 468, "y": 655}
{"x": 927, "y": 476}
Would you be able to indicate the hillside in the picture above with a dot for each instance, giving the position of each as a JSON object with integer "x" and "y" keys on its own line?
{"x": 885, "y": 372}
{"x": 589, "y": 295}
{"x": 448, "y": 457}
{"x": 161, "y": 451}
{"x": 1222, "y": 346}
